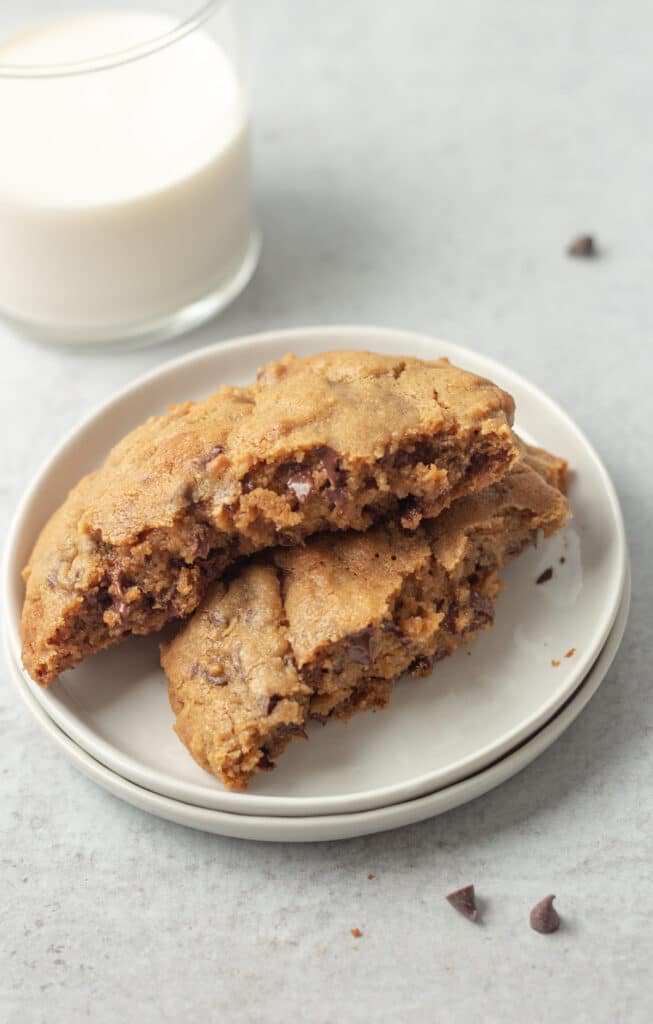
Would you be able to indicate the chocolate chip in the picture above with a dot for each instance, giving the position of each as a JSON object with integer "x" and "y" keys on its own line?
{"x": 311, "y": 675}
{"x": 449, "y": 620}
{"x": 202, "y": 546}
{"x": 464, "y": 901}
{"x": 273, "y": 701}
{"x": 301, "y": 484}
{"x": 336, "y": 477}
{"x": 482, "y": 605}
{"x": 478, "y": 463}
{"x": 117, "y": 595}
{"x": 359, "y": 646}
{"x": 545, "y": 576}
{"x": 183, "y": 494}
{"x": 339, "y": 496}
{"x": 329, "y": 459}
{"x": 544, "y": 918}
{"x": 481, "y": 602}
{"x": 422, "y": 665}
{"x": 265, "y": 764}
{"x": 392, "y": 630}
{"x": 362, "y": 696}
{"x": 583, "y": 246}
{"x": 562, "y": 560}
{"x": 203, "y": 460}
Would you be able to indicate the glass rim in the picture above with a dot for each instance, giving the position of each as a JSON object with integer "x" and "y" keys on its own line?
{"x": 119, "y": 57}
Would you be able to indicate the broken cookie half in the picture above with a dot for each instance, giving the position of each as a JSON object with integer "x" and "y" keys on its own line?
{"x": 324, "y": 630}
{"x": 335, "y": 441}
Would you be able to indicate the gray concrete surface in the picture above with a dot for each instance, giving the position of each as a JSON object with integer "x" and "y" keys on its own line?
{"x": 418, "y": 165}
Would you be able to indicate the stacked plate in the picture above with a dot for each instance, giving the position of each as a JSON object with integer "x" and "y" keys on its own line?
{"x": 479, "y": 718}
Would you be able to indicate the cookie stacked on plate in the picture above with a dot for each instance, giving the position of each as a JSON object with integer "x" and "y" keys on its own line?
{"x": 339, "y": 522}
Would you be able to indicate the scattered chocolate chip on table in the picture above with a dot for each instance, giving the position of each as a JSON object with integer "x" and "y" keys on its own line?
{"x": 464, "y": 901}
{"x": 544, "y": 917}
{"x": 584, "y": 247}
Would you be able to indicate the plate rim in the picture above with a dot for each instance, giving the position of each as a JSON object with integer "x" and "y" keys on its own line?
{"x": 328, "y": 336}
{"x": 334, "y": 827}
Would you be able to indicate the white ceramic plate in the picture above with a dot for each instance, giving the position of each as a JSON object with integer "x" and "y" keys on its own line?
{"x": 337, "y": 826}
{"x": 474, "y": 707}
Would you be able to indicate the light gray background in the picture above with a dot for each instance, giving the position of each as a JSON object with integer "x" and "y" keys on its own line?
{"x": 419, "y": 165}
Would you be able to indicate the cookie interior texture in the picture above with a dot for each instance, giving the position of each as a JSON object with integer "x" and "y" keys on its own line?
{"x": 324, "y": 630}
{"x": 330, "y": 442}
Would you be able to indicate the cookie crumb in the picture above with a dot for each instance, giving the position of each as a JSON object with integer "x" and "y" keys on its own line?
{"x": 555, "y": 663}
{"x": 357, "y": 933}
{"x": 562, "y": 559}
{"x": 464, "y": 901}
{"x": 570, "y": 653}
{"x": 545, "y": 576}
{"x": 370, "y": 877}
{"x": 543, "y": 917}
{"x": 583, "y": 246}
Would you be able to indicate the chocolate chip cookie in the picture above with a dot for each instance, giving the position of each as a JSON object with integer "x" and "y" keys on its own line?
{"x": 335, "y": 441}
{"x": 325, "y": 629}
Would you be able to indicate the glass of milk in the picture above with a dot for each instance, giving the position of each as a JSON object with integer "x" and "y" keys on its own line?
{"x": 125, "y": 193}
